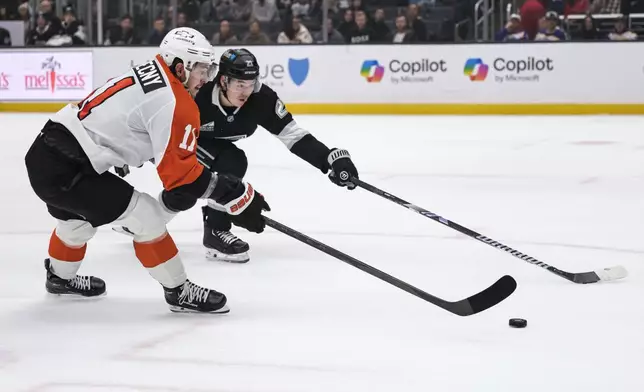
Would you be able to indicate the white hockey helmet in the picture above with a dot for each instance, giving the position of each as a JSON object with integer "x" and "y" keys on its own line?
{"x": 191, "y": 47}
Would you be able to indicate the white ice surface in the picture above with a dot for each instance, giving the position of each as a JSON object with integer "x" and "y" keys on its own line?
{"x": 567, "y": 190}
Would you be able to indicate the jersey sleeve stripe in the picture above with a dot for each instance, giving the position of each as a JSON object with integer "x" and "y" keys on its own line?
{"x": 291, "y": 134}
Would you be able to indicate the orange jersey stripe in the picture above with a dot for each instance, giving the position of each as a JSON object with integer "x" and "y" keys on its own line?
{"x": 179, "y": 165}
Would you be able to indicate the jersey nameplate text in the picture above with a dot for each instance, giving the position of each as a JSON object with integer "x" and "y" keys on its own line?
{"x": 149, "y": 76}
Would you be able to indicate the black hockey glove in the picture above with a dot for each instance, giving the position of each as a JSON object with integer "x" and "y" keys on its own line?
{"x": 242, "y": 202}
{"x": 342, "y": 168}
{"x": 125, "y": 170}
{"x": 122, "y": 171}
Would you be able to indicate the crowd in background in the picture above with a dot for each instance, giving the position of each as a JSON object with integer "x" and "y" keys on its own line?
{"x": 230, "y": 22}
{"x": 539, "y": 20}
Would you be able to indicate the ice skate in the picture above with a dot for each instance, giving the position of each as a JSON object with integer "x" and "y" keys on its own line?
{"x": 190, "y": 297}
{"x": 84, "y": 286}
{"x": 223, "y": 245}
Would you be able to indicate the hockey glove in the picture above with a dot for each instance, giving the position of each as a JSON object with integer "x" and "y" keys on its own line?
{"x": 242, "y": 203}
{"x": 122, "y": 171}
{"x": 342, "y": 168}
{"x": 125, "y": 169}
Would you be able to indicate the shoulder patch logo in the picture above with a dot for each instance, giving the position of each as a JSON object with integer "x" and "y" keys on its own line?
{"x": 149, "y": 76}
{"x": 280, "y": 109}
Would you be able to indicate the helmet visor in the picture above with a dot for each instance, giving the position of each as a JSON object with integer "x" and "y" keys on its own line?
{"x": 203, "y": 71}
{"x": 241, "y": 86}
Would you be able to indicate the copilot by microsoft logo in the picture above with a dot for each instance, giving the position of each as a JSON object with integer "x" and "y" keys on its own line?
{"x": 476, "y": 70}
{"x": 372, "y": 71}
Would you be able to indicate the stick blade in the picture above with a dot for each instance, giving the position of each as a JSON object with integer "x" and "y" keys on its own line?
{"x": 601, "y": 275}
{"x": 487, "y": 298}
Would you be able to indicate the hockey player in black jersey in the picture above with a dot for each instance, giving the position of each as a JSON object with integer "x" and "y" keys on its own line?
{"x": 231, "y": 107}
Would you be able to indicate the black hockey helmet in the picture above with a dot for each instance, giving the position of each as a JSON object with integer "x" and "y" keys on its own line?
{"x": 238, "y": 64}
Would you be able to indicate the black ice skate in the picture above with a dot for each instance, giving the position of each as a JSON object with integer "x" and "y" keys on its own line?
{"x": 192, "y": 298}
{"x": 224, "y": 246}
{"x": 84, "y": 286}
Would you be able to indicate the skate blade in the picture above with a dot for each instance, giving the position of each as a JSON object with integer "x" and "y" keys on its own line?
{"x": 75, "y": 297}
{"x": 181, "y": 309}
{"x": 238, "y": 258}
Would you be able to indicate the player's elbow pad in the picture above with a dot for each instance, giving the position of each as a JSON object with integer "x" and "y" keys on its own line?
{"x": 185, "y": 196}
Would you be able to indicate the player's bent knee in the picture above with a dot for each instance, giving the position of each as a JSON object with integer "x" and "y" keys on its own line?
{"x": 75, "y": 232}
{"x": 143, "y": 217}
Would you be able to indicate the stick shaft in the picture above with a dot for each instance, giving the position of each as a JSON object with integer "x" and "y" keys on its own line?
{"x": 460, "y": 228}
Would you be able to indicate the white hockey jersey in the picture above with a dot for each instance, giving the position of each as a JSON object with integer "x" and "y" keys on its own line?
{"x": 143, "y": 114}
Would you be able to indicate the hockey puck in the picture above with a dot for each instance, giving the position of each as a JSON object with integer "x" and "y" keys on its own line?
{"x": 518, "y": 323}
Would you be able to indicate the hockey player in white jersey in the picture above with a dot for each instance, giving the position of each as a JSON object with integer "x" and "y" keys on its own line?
{"x": 146, "y": 114}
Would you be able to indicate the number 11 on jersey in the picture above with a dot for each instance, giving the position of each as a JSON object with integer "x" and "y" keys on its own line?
{"x": 190, "y": 131}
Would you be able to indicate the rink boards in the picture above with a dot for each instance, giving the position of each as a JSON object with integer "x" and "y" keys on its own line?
{"x": 535, "y": 78}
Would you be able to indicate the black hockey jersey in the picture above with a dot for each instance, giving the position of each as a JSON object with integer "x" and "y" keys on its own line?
{"x": 262, "y": 108}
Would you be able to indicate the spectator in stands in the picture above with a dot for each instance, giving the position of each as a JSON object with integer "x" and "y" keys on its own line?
{"x": 264, "y": 10}
{"x": 606, "y": 7}
{"x": 302, "y": 33}
{"x": 158, "y": 32}
{"x": 43, "y": 31}
{"x": 361, "y": 32}
{"x": 255, "y": 35}
{"x": 513, "y": 31}
{"x": 47, "y": 9}
{"x": 380, "y": 29}
{"x": 576, "y": 7}
{"x": 333, "y": 35}
{"x": 333, "y": 7}
{"x": 403, "y": 33}
{"x": 357, "y": 5}
{"x": 225, "y": 36}
{"x": 555, "y": 5}
{"x": 315, "y": 11}
{"x": 182, "y": 20}
{"x": 27, "y": 2}
{"x": 225, "y": 10}
{"x": 283, "y": 6}
{"x": 347, "y": 25}
{"x": 589, "y": 30}
{"x": 241, "y": 10}
{"x": 531, "y": 12}
{"x": 343, "y": 5}
{"x": 191, "y": 9}
{"x": 72, "y": 27}
{"x": 551, "y": 32}
{"x": 294, "y": 33}
{"x": 622, "y": 32}
{"x": 24, "y": 13}
{"x": 123, "y": 34}
{"x": 208, "y": 11}
{"x": 300, "y": 8}
{"x": 416, "y": 22}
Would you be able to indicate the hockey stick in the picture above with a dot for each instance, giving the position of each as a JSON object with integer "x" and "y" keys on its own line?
{"x": 606, "y": 274}
{"x": 466, "y": 307}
